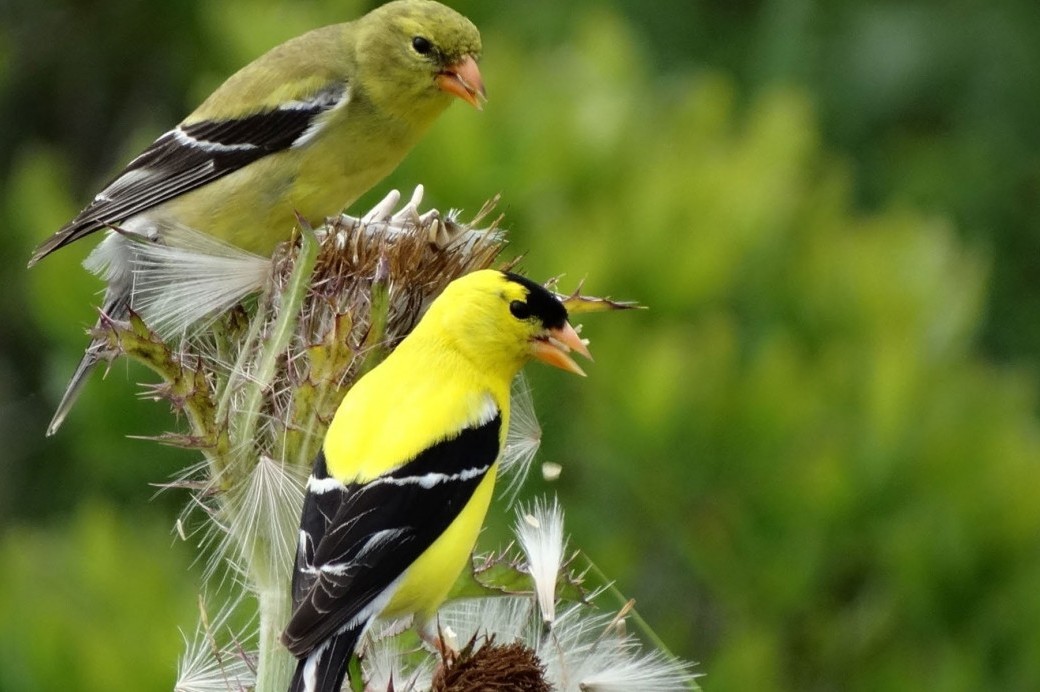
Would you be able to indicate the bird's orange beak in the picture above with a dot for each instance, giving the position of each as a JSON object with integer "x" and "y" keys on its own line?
{"x": 463, "y": 80}
{"x": 553, "y": 347}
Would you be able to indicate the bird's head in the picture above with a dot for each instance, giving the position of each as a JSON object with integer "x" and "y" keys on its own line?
{"x": 419, "y": 53}
{"x": 499, "y": 321}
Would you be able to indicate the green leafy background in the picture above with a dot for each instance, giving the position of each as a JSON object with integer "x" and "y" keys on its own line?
{"x": 814, "y": 461}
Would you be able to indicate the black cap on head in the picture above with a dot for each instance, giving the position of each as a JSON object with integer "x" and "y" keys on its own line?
{"x": 540, "y": 303}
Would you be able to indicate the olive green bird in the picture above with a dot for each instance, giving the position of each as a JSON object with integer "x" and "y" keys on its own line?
{"x": 305, "y": 129}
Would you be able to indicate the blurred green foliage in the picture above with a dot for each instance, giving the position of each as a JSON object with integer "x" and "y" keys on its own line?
{"x": 812, "y": 461}
{"x": 90, "y": 603}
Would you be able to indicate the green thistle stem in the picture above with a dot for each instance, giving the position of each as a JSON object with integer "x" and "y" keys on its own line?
{"x": 280, "y": 336}
{"x": 379, "y": 312}
{"x": 275, "y": 664}
{"x": 244, "y": 354}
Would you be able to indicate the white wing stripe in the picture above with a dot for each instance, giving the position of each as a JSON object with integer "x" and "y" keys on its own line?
{"x": 187, "y": 140}
{"x": 429, "y": 480}
{"x": 319, "y": 123}
{"x": 320, "y": 486}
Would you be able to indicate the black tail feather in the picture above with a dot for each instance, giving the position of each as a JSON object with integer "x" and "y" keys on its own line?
{"x": 116, "y": 308}
{"x": 325, "y": 668}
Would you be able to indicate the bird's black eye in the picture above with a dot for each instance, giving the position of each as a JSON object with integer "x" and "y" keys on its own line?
{"x": 422, "y": 45}
{"x": 520, "y": 310}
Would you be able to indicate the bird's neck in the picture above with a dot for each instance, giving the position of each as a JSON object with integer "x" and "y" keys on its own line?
{"x": 481, "y": 369}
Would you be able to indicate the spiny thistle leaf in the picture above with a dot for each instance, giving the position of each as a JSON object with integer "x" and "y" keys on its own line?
{"x": 493, "y": 574}
{"x": 577, "y": 304}
{"x": 505, "y": 573}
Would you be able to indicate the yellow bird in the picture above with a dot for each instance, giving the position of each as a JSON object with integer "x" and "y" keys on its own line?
{"x": 306, "y": 129}
{"x": 400, "y": 489}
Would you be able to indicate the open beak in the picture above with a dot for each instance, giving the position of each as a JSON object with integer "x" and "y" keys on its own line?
{"x": 463, "y": 80}
{"x": 553, "y": 347}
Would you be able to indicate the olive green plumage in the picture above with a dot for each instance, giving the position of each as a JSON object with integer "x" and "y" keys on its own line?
{"x": 305, "y": 130}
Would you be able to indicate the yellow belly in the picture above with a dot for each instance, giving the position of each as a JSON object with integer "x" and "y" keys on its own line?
{"x": 429, "y": 579}
{"x": 255, "y": 208}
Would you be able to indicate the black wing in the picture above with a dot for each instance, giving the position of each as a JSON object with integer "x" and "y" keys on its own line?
{"x": 357, "y": 539}
{"x": 193, "y": 155}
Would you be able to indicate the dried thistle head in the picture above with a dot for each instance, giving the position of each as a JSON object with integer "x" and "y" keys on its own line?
{"x": 369, "y": 283}
{"x": 491, "y": 666}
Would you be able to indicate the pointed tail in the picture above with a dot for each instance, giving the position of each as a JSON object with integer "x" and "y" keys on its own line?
{"x": 115, "y": 308}
{"x": 325, "y": 668}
